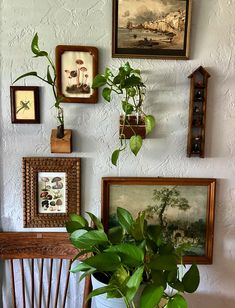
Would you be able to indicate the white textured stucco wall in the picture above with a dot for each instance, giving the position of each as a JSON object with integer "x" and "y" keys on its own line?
{"x": 96, "y": 126}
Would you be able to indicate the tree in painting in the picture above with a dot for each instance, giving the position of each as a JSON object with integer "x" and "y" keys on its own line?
{"x": 165, "y": 198}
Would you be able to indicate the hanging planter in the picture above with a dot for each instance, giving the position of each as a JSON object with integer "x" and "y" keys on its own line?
{"x": 135, "y": 124}
{"x": 132, "y": 125}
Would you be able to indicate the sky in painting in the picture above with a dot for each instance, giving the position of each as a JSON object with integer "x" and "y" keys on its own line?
{"x": 136, "y": 198}
{"x": 139, "y": 11}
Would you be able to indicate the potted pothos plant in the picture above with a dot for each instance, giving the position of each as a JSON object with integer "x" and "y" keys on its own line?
{"x": 127, "y": 83}
{"x": 131, "y": 258}
{"x": 50, "y": 79}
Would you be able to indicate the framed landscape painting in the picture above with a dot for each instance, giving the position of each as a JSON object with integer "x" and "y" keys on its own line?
{"x": 76, "y": 68}
{"x": 151, "y": 29}
{"x": 51, "y": 190}
{"x": 182, "y": 207}
{"x": 25, "y": 105}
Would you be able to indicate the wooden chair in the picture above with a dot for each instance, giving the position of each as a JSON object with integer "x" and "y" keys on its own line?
{"x": 38, "y": 265}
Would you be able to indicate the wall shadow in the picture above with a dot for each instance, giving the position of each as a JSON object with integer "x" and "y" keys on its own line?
{"x": 210, "y": 300}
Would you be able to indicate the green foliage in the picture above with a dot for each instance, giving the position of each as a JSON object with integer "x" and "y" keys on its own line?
{"x": 130, "y": 255}
{"x": 151, "y": 296}
{"x": 115, "y": 157}
{"x": 136, "y": 144}
{"x": 128, "y": 84}
{"x": 50, "y": 73}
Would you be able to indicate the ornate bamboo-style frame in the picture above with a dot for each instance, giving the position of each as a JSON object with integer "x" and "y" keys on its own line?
{"x": 154, "y": 53}
{"x": 36, "y": 117}
{"x": 93, "y": 51}
{"x": 108, "y": 182}
{"x": 31, "y": 167}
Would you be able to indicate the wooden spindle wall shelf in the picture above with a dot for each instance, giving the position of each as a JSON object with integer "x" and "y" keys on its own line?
{"x": 197, "y": 112}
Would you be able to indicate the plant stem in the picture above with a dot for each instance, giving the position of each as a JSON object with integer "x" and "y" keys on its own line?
{"x": 129, "y": 125}
{"x": 43, "y": 79}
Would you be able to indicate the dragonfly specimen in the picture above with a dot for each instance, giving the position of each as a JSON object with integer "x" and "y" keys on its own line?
{"x": 24, "y": 105}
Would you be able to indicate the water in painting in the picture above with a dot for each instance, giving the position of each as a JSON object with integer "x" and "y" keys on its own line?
{"x": 149, "y": 24}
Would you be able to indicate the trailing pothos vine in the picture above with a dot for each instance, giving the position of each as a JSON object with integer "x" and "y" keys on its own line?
{"x": 129, "y": 85}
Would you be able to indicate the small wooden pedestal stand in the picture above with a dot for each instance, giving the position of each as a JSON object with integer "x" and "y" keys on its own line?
{"x": 63, "y": 145}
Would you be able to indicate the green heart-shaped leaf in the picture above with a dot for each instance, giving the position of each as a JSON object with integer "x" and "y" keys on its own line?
{"x": 125, "y": 219}
{"x": 149, "y": 123}
{"x": 115, "y": 157}
{"x": 136, "y": 144}
{"x": 151, "y": 296}
{"x": 99, "y": 81}
{"x": 191, "y": 279}
{"x": 106, "y": 93}
{"x": 127, "y": 108}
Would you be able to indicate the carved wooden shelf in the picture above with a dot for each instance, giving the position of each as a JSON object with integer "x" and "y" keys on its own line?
{"x": 197, "y": 112}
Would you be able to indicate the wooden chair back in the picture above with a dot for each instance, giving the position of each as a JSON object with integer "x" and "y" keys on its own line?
{"x": 42, "y": 261}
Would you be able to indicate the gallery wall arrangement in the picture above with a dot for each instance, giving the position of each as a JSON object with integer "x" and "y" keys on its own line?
{"x": 118, "y": 105}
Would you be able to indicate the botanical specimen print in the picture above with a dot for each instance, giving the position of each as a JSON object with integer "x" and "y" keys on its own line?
{"x": 25, "y": 107}
{"x": 77, "y": 74}
{"x": 151, "y": 24}
{"x": 179, "y": 210}
{"x": 51, "y": 192}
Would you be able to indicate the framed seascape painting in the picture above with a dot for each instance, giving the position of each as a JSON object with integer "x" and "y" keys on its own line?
{"x": 182, "y": 207}
{"x": 76, "y": 67}
{"x": 24, "y": 105}
{"x": 151, "y": 29}
{"x": 51, "y": 188}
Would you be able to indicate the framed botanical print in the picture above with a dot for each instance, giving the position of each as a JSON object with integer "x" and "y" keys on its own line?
{"x": 182, "y": 207}
{"x": 51, "y": 189}
{"x": 151, "y": 29}
{"x": 24, "y": 105}
{"x": 76, "y": 67}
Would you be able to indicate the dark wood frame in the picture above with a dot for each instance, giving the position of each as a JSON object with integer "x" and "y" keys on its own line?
{"x": 31, "y": 167}
{"x": 210, "y": 183}
{"x": 158, "y": 53}
{"x": 14, "y": 119}
{"x": 60, "y": 49}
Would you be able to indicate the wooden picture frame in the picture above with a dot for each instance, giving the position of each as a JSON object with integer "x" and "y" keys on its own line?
{"x": 24, "y": 105}
{"x": 51, "y": 190}
{"x": 76, "y": 68}
{"x": 187, "y": 218}
{"x": 156, "y": 30}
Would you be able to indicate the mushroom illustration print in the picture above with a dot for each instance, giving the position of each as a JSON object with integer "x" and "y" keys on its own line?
{"x": 45, "y": 180}
{"x": 58, "y": 185}
{"x": 79, "y": 75}
{"x": 59, "y": 203}
{"x": 52, "y": 192}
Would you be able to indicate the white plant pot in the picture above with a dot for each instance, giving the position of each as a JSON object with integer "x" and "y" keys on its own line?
{"x": 101, "y": 301}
